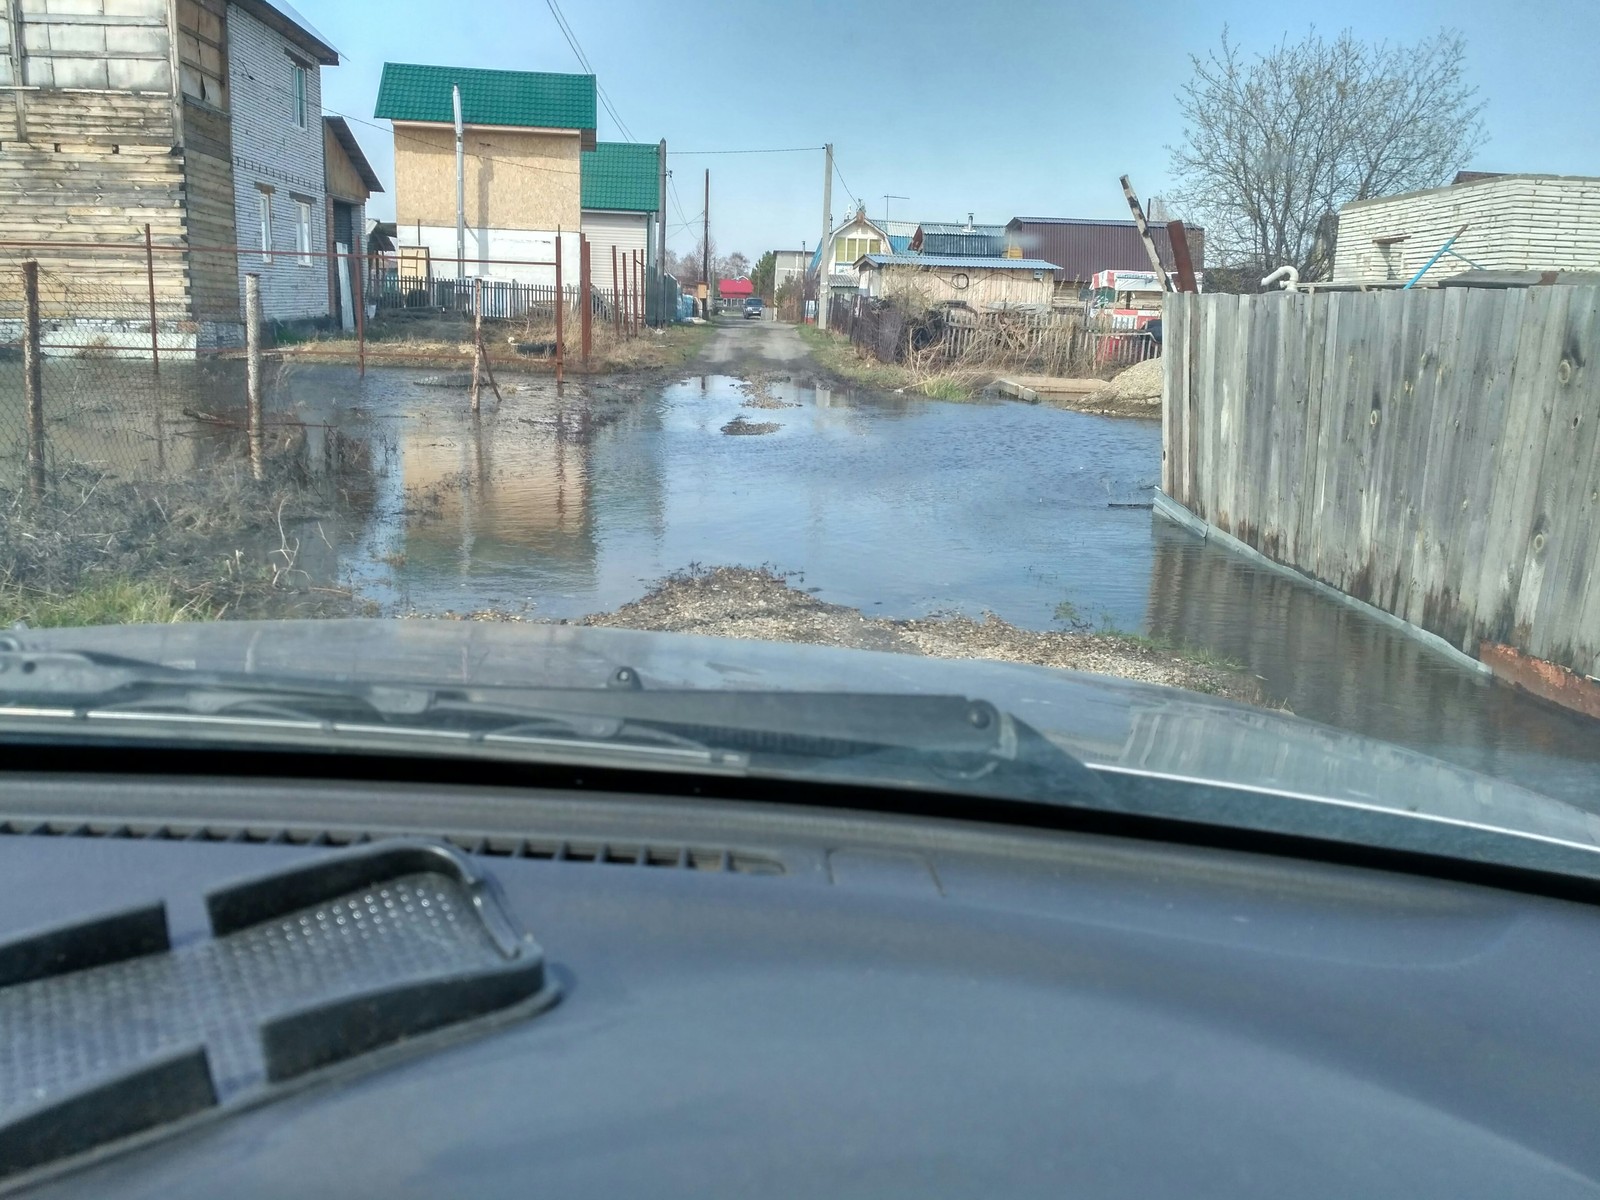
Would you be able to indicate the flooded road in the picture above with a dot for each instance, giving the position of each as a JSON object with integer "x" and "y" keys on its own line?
{"x": 561, "y": 506}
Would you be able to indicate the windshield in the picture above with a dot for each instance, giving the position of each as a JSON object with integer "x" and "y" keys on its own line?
{"x": 1271, "y": 460}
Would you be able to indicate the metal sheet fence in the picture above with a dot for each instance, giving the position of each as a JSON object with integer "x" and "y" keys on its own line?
{"x": 1435, "y": 453}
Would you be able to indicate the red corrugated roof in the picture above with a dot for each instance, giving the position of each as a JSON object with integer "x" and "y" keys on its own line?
{"x": 733, "y": 288}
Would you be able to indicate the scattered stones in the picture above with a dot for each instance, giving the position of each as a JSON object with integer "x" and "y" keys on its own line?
{"x": 739, "y": 426}
{"x": 744, "y": 603}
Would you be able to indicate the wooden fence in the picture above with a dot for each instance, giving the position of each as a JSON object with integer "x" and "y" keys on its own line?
{"x": 1435, "y": 452}
{"x": 1055, "y": 343}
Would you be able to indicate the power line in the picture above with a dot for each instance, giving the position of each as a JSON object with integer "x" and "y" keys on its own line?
{"x": 843, "y": 184}
{"x": 400, "y": 136}
{"x": 583, "y": 61}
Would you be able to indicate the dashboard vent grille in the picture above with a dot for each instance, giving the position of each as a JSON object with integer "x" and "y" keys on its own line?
{"x": 625, "y": 854}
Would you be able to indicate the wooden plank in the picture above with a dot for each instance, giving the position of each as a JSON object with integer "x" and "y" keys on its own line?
{"x": 1171, "y": 315}
{"x": 1563, "y": 545}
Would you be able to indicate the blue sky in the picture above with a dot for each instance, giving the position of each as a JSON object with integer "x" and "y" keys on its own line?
{"x": 1001, "y": 109}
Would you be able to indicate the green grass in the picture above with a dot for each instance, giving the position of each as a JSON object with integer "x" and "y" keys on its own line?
{"x": 835, "y": 354}
{"x": 113, "y": 601}
{"x": 1199, "y": 655}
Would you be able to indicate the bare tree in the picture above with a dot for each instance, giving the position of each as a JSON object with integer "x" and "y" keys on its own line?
{"x": 1275, "y": 144}
{"x": 734, "y": 266}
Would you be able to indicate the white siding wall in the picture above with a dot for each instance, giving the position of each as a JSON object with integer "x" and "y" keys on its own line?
{"x": 1519, "y": 223}
{"x": 511, "y": 254}
{"x": 627, "y": 232}
{"x": 270, "y": 149}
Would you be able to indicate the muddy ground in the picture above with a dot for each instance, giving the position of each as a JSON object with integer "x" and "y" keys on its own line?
{"x": 741, "y": 602}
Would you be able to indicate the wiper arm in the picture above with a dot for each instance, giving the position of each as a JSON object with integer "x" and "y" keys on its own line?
{"x": 952, "y": 740}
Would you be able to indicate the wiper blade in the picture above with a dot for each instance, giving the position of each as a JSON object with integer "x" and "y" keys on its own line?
{"x": 952, "y": 740}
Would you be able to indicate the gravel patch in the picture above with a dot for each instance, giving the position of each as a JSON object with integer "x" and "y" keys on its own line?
{"x": 744, "y": 603}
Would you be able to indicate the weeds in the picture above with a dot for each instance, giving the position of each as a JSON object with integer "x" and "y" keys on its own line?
{"x": 922, "y": 373}
{"x": 117, "y": 600}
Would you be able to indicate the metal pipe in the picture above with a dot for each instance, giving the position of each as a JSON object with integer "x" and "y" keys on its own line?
{"x": 461, "y": 184}
{"x": 1289, "y": 275}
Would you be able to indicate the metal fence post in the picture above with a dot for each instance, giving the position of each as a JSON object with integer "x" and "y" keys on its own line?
{"x": 150, "y": 278}
{"x": 625, "y": 312}
{"x": 477, "y": 337}
{"x": 638, "y": 291}
{"x": 586, "y": 298}
{"x": 616, "y": 308}
{"x": 561, "y": 304}
{"x": 33, "y": 377}
{"x": 252, "y": 345}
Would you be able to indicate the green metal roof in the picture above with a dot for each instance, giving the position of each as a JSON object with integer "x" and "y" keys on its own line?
{"x": 622, "y": 175}
{"x": 410, "y": 92}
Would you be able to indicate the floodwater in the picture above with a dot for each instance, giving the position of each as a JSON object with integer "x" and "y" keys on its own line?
{"x": 558, "y": 506}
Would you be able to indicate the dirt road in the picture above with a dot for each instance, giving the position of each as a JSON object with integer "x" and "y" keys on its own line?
{"x": 739, "y": 346}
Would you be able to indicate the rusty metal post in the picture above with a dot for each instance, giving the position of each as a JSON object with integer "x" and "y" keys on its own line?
{"x": 638, "y": 292}
{"x": 627, "y": 305}
{"x": 561, "y": 324}
{"x": 150, "y": 278}
{"x": 585, "y": 298}
{"x": 616, "y": 306}
{"x": 33, "y": 377}
{"x": 252, "y": 347}
{"x": 358, "y": 297}
{"x": 1178, "y": 235}
{"x": 477, "y": 338}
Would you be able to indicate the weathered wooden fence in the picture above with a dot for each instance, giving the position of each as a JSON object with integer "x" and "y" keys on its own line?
{"x": 1435, "y": 453}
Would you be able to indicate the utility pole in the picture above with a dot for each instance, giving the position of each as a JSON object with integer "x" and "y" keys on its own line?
{"x": 461, "y": 186}
{"x": 705, "y": 245}
{"x": 826, "y": 243}
{"x": 661, "y": 241}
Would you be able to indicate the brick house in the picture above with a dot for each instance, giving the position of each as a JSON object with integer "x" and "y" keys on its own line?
{"x": 525, "y": 133}
{"x": 279, "y": 183}
{"x": 115, "y": 114}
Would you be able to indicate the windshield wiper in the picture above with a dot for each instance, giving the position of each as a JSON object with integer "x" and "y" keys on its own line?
{"x": 952, "y": 741}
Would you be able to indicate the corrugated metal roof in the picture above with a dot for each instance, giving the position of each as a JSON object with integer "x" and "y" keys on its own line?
{"x": 928, "y": 227}
{"x": 412, "y": 92}
{"x": 1084, "y": 246}
{"x": 968, "y": 263}
{"x": 622, "y": 176}
{"x": 899, "y": 242}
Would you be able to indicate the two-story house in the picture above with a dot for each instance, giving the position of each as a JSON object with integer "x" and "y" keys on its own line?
{"x": 524, "y": 137}
{"x": 198, "y": 118}
{"x": 621, "y": 191}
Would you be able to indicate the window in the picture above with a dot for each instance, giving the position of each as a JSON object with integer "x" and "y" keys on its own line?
{"x": 264, "y": 200}
{"x": 303, "y": 232}
{"x": 299, "y": 97}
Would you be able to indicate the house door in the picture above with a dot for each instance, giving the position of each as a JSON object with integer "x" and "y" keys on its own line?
{"x": 344, "y": 222}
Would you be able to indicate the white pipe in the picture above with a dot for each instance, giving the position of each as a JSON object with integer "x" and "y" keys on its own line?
{"x": 1289, "y": 275}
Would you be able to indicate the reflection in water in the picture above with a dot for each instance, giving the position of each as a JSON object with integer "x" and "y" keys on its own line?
{"x": 1333, "y": 664}
{"x": 902, "y": 506}
{"x": 570, "y": 503}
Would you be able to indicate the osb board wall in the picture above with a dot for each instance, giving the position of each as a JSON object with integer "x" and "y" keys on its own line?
{"x": 343, "y": 181}
{"x": 513, "y": 180}
{"x": 1433, "y": 452}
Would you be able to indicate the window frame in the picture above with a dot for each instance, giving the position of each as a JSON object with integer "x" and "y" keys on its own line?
{"x": 264, "y": 215}
{"x": 303, "y": 231}
{"x": 299, "y": 87}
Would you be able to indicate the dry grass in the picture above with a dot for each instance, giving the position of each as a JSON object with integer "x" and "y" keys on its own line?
{"x": 925, "y": 373}
{"x": 522, "y": 345}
